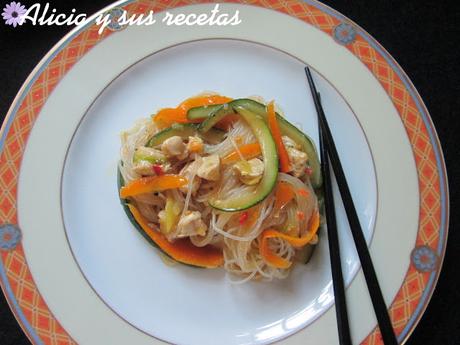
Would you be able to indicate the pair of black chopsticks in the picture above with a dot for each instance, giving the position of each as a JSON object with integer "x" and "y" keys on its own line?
{"x": 329, "y": 152}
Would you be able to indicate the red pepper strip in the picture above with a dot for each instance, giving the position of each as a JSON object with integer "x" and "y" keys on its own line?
{"x": 243, "y": 217}
{"x": 158, "y": 170}
{"x": 276, "y": 133}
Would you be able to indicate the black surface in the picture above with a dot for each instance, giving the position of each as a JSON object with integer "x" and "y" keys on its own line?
{"x": 421, "y": 36}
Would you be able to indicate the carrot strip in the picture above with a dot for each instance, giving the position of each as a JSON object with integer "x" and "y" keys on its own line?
{"x": 152, "y": 184}
{"x": 270, "y": 258}
{"x": 276, "y": 133}
{"x": 181, "y": 250}
{"x": 248, "y": 151}
{"x": 283, "y": 195}
{"x": 279, "y": 262}
{"x": 168, "y": 116}
{"x": 303, "y": 192}
{"x": 202, "y": 101}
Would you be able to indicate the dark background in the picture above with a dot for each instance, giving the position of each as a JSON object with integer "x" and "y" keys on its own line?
{"x": 421, "y": 36}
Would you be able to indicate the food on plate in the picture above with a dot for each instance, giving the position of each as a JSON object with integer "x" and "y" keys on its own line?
{"x": 221, "y": 182}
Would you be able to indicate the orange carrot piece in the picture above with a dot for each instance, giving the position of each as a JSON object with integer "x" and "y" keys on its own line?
{"x": 269, "y": 257}
{"x": 152, "y": 184}
{"x": 202, "y": 101}
{"x": 248, "y": 151}
{"x": 283, "y": 195}
{"x": 303, "y": 192}
{"x": 273, "y": 259}
{"x": 276, "y": 133}
{"x": 181, "y": 250}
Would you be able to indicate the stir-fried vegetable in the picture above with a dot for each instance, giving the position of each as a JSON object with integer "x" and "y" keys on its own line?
{"x": 181, "y": 250}
{"x": 275, "y": 129}
{"x": 285, "y": 126}
{"x": 298, "y": 242}
{"x": 202, "y": 194}
{"x": 268, "y": 182}
{"x": 215, "y": 117}
{"x": 168, "y": 116}
{"x": 248, "y": 151}
{"x": 152, "y": 184}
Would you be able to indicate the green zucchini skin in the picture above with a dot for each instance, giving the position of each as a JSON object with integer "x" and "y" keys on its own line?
{"x": 124, "y": 204}
{"x": 286, "y": 128}
{"x": 268, "y": 182}
{"x": 215, "y": 116}
{"x": 184, "y": 131}
{"x": 199, "y": 113}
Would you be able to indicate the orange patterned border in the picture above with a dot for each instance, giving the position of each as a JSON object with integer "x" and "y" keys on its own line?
{"x": 417, "y": 281}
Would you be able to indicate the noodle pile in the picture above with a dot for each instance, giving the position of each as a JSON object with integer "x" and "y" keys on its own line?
{"x": 238, "y": 240}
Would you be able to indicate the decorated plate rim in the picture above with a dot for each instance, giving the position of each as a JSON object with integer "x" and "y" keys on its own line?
{"x": 424, "y": 259}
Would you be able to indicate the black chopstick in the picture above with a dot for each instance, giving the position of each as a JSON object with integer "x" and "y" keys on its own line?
{"x": 386, "y": 328}
{"x": 334, "y": 249}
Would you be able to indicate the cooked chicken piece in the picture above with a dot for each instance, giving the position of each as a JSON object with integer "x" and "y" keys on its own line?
{"x": 190, "y": 225}
{"x": 250, "y": 172}
{"x": 174, "y": 147}
{"x": 289, "y": 143}
{"x": 188, "y": 171}
{"x": 210, "y": 168}
{"x": 195, "y": 144}
{"x": 297, "y": 158}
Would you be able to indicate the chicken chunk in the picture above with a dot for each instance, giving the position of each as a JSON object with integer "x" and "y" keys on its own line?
{"x": 175, "y": 147}
{"x": 297, "y": 158}
{"x": 289, "y": 143}
{"x": 210, "y": 168}
{"x": 188, "y": 171}
{"x": 249, "y": 172}
{"x": 190, "y": 225}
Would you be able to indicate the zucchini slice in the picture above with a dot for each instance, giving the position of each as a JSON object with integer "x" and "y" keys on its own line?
{"x": 124, "y": 203}
{"x": 184, "y": 131}
{"x": 215, "y": 116}
{"x": 199, "y": 113}
{"x": 286, "y": 127}
{"x": 268, "y": 182}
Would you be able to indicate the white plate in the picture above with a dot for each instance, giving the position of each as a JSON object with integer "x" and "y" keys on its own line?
{"x": 99, "y": 230}
{"x": 105, "y": 285}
